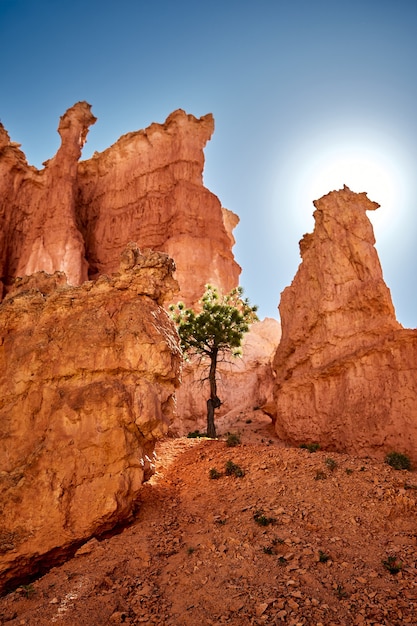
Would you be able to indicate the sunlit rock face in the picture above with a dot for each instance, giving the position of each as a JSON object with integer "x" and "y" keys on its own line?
{"x": 243, "y": 383}
{"x": 87, "y": 377}
{"x": 345, "y": 368}
{"x": 77, "y": 217}
{"x": 38, "y": 213}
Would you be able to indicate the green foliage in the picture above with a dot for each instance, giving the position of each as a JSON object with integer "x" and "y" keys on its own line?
{"x": 261, "y": 519}
{"x": 232, "y": 440}
{"x": 392, "y": 565}
{"x": 214, "y": 474}
{"x": 331, "y": 464}
{"x": 219, "y": 327}
{"x": 217, "y": 330}
{"x": 234, "y": 470}
{"x": 398, "y": 461}
{"x": 311, "y": 447}
{"x": 341, "y": 592}
{"x": 196, "y": 434}
{"x": 323, "y": 557}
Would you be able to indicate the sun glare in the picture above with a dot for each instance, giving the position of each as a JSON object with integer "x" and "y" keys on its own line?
{"x": 376, "y": 171}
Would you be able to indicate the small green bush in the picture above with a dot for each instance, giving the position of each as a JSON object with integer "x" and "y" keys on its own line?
{"x": 392, "y": 565}
{"x": 234, "y": 470}
{"x": 323, "y": 557}
{"x": 311, "y": 447}
{"x": 195, "y": 434}
{"x": 331, "y": 464}
{"x": 262, "y": 519}
{"x": 214, "y": 474}
{"x": 232, "y": 440}
{"x": 398, "y": 461}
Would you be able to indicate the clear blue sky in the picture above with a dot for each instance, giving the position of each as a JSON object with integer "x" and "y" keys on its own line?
{"x": 299, "y": 89}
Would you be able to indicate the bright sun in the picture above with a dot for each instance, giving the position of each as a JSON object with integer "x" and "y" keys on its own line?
{"x": 374, "y": 167}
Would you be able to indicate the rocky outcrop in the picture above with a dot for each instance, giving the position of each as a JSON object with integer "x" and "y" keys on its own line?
{"x": 345, "y": 369}
{"x": 78, "y": 217}
{"x": 87, "y": 376}
{"x": 243, "y": 384}
{"x": 38, "y": 208}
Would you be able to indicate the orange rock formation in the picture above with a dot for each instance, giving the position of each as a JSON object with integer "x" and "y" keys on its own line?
{"x": 345, "y": 368}
{"x": 87, "y": 376}
{"x": 78, "y": 217}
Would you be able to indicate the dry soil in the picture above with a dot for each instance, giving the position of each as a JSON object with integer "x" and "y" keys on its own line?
{"x": 281, "y": 536}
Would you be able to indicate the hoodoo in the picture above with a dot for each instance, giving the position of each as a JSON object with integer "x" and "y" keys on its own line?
{"x": 345, "y": 368}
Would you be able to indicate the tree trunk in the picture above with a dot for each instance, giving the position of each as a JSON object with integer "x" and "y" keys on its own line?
{"x": 213, "y": 402}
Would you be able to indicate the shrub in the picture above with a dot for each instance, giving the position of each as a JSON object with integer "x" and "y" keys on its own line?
{"x": 214, "y": 474}
{"x": 323, "y": 557}
{"x": 311, "y": 447}
{"x": 234, "y": 470}
{"x": 232, "y": 440}
{"x": 398, "y": 461}
{"x": 262, "y": 519}
{"x": 392, "y": 565}
{"x": 195, "y": 434}
{"x": 331, "y": 464}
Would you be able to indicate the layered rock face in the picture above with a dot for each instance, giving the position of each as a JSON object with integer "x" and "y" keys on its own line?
{"x": 243, "y": 383}
{"x": 78, "y": 217}
{"x": 38, "y": 208}
{"x": 87, "y": 377}
{"x": 345, "y": 369}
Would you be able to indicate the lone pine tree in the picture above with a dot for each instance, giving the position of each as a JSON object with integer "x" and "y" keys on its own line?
{"x": 216, "y": 331}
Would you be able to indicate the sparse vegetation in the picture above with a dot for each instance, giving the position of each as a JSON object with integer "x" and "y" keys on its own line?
{"x": 26, "y": 590}
{"x": 349, "y": 471}
{"x": 190, "y": 550}
{"x": 398, "y": 461}
{"x": 261, "y": 519}
{"x": 392, "y": 565}
{"x": 195, "y": 434}
{"x": 323, "y": 557}
{"x": 233, "y": 439}
{"x": 341, "y": 592}
{"x": 214, "y": 474}
{"x": 311, "y": 447}
{"x": 234, "y": 470}
{"x": 331, "y": 464}
{"x": 320, "y": 475}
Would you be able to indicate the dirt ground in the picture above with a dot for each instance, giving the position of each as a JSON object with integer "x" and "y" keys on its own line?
{"x": 249, "y": 534}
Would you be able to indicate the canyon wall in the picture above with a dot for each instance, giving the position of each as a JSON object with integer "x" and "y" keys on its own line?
{"x": 87, "y": 379}
{"x": 346, "y": 371}
{"x": 77, "y": 217}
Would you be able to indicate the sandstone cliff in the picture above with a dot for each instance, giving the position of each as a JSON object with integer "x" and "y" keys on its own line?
{"x": 345, "y": 368}
{"x": 87, "y": 376}
{"x": 78, "y": 217}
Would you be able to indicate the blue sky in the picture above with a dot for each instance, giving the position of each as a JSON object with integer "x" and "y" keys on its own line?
{"x": 306, "y": 96}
